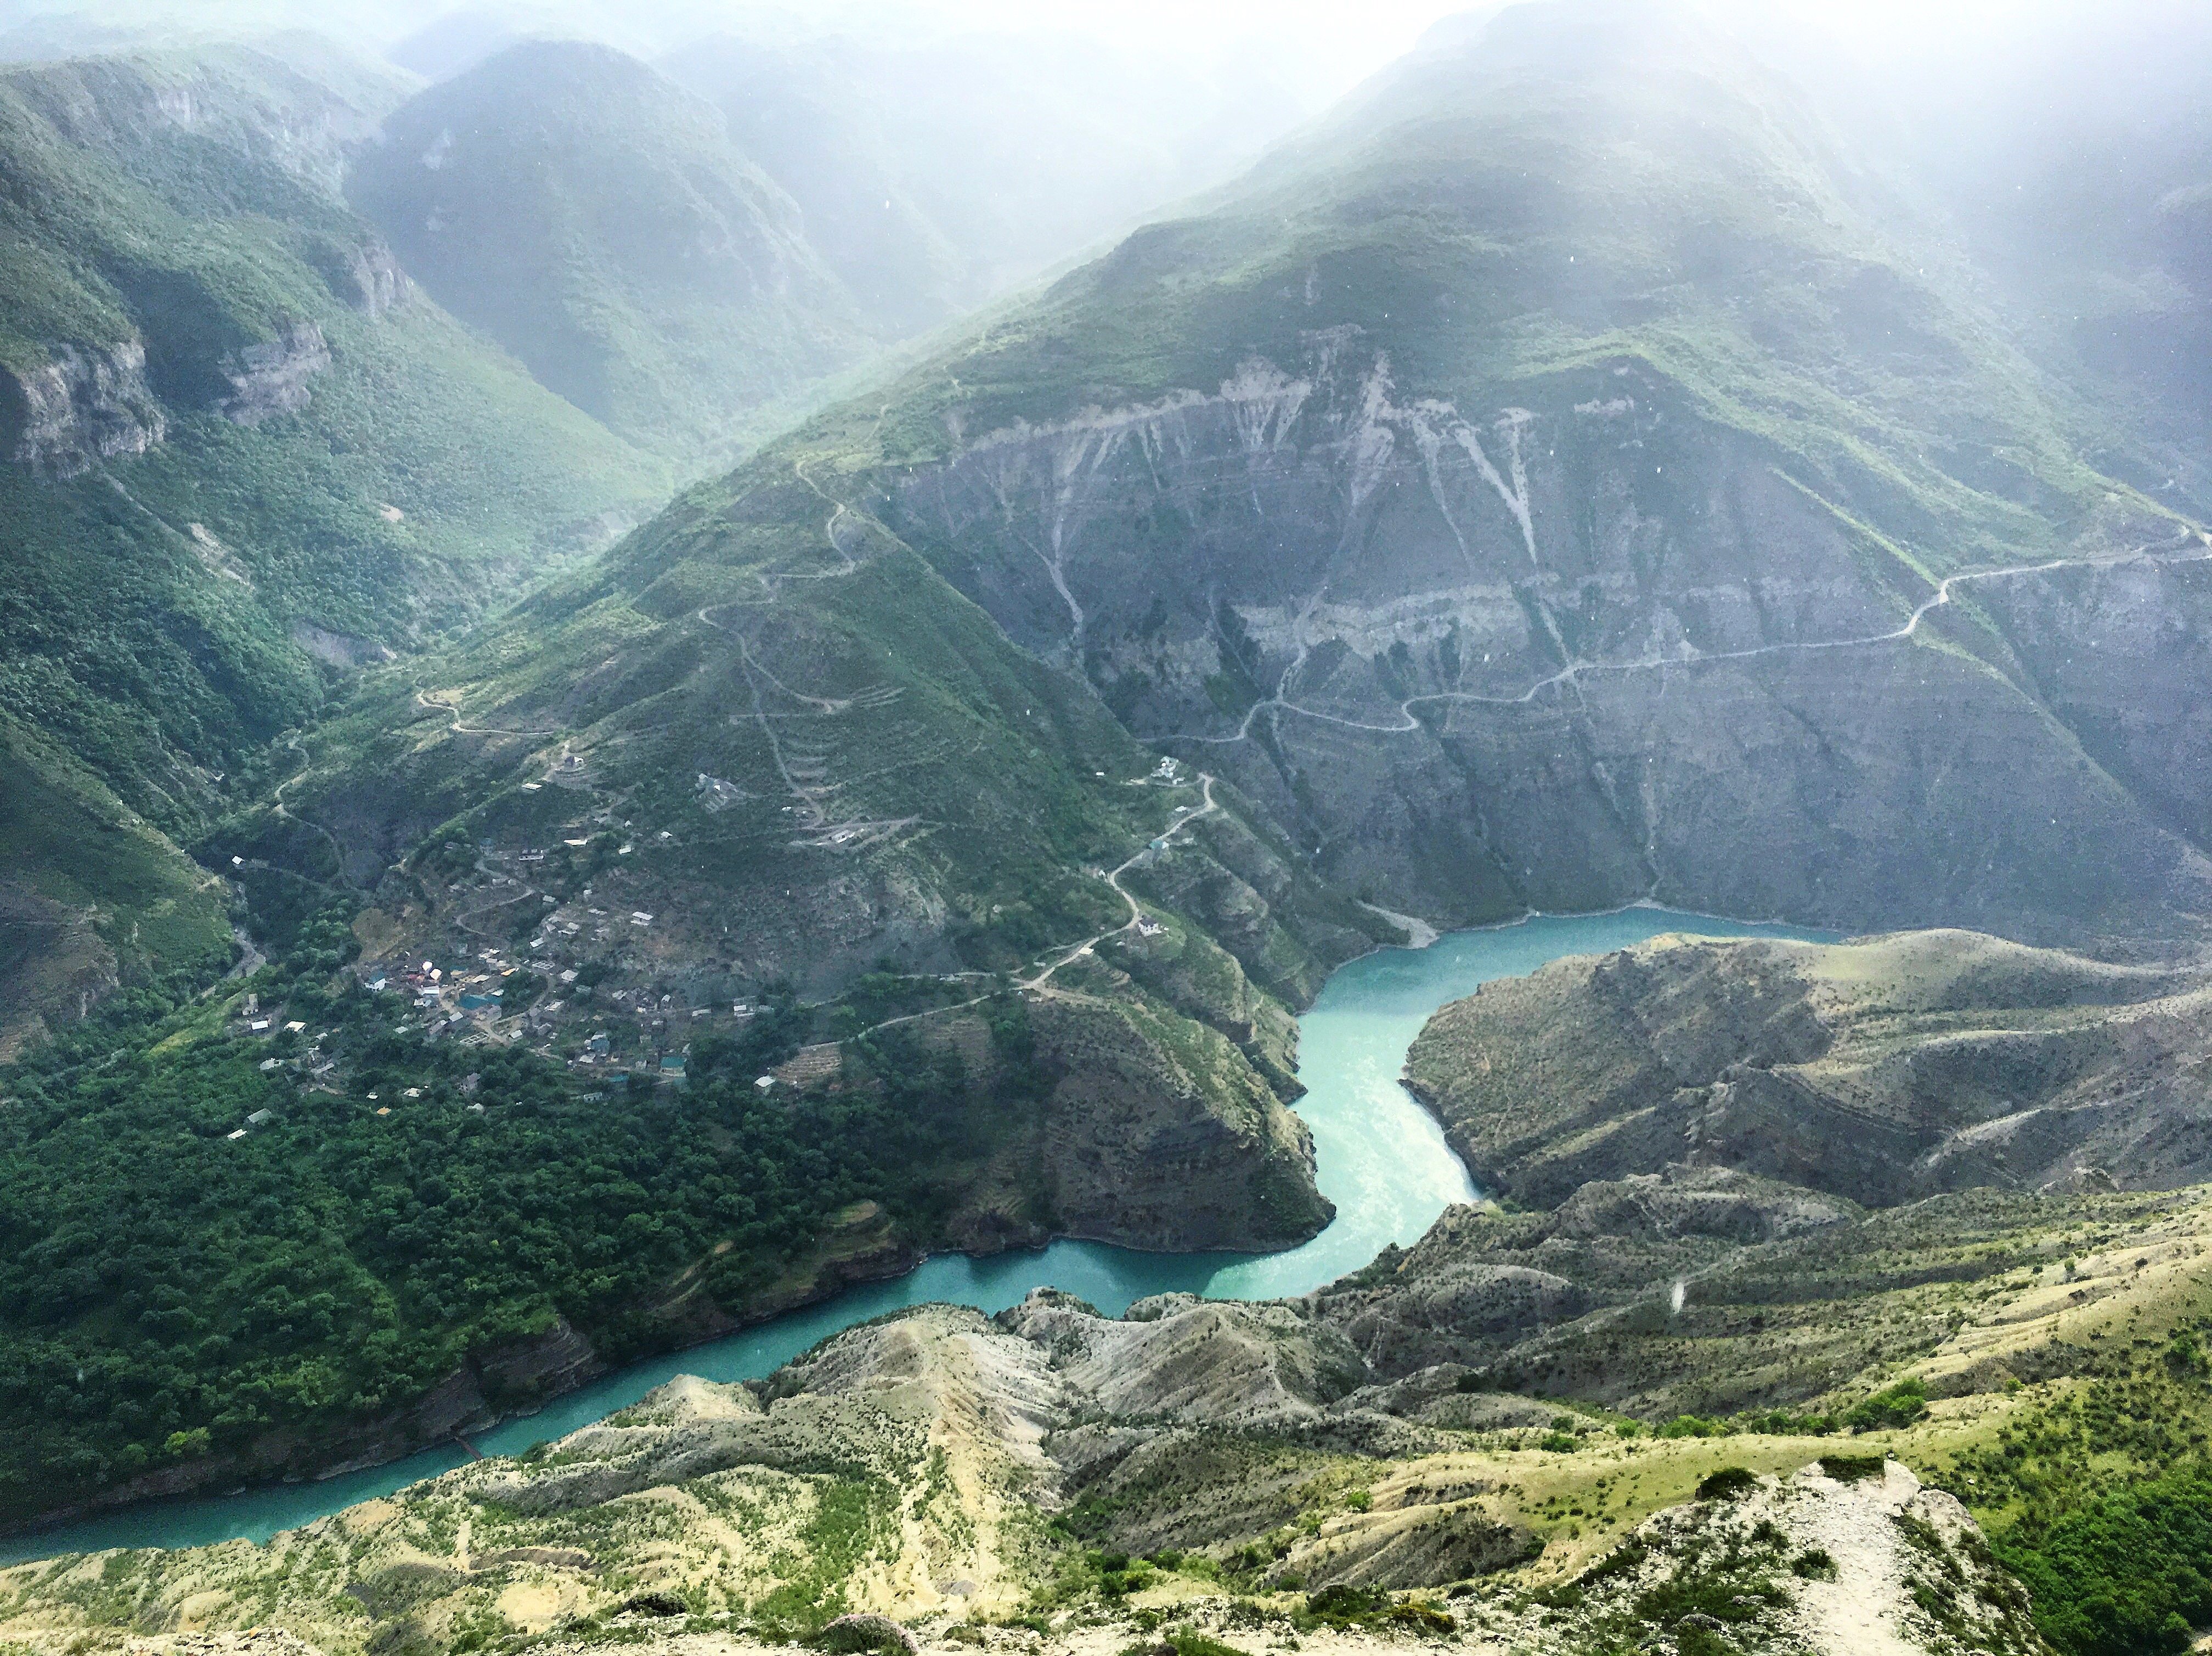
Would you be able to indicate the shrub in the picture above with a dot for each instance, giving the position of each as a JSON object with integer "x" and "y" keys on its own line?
{"x": 1728, "y": 1484}
{"x": 1850, "y": 1469}
{"x": 1813, "y": 1564}
{"x": 1340, "y": 1603}
{"x": 1899, "y": 1405}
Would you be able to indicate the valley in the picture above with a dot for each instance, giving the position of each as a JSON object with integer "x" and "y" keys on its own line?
{"x": 784, "y": 859}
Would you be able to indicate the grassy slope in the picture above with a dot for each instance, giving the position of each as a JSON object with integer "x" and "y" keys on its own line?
{"x": 90, "y": 893}
{"x": 169, "y": 652}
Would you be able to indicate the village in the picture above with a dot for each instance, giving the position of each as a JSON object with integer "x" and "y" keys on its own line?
{"x": 573, "y": 981}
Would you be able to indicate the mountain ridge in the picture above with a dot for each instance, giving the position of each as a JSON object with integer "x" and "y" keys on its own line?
{"x": 594, "y": 218}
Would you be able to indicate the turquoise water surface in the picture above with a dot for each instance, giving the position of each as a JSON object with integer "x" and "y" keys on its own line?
{"x": 1381, "y": 1160}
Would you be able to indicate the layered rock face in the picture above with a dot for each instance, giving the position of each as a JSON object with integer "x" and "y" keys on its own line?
{"x": 1595, "y": 649}
{"x": 82, "y": 407}
{"x": 88, "y": 403}
{"x": 273, "y": 376}
{"x": 1880, "y": 1070}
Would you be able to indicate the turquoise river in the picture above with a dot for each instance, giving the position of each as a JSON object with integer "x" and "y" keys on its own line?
{"x": 1381, "y": 1160}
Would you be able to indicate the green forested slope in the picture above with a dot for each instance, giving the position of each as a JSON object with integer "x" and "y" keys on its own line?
{"x": 90, "y": 893}
{"x": 241, "y": 453}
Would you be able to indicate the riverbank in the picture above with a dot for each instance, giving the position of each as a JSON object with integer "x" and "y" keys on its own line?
{"x": 1381, "y": 1160}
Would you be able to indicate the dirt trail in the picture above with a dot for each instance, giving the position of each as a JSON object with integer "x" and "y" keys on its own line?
{"x": 1078, "y": 951}
{"x": 1183, "y": 819}
{"x": 1574, "y": 672}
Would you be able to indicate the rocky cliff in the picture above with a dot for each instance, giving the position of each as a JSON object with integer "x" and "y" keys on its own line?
{"x": 1159, "y": 1133}
{"x": 1588, "y": 647}
{"x": 272, "y": 376}
{"x": 1880, "y": 1071}
{"x": 80, "y": 407}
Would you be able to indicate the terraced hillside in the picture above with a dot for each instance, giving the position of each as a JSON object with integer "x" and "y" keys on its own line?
{"x": 767, "y": 743}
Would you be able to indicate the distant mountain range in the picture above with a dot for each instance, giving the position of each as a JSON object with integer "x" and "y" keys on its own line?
{"x": 597, "y": 222}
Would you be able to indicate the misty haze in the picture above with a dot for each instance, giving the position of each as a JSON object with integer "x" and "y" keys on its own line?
{"x": 1183, "y": 830}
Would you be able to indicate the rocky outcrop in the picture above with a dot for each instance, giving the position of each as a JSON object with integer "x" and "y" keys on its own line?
{"x": 1180, "y": 1357}
{"x": 338, "y": 649}
{"x": 1880, "y": 1070}
{"x": 83, "y": 405}
{"x": 262, "y": 112}
{"x": 1482, "y": 1285}
{"x": 1159, "y": 1133}
{"x": 272, "y": 377}
{"x": 901, "y": 1467}
{"x": 363, "y": 272}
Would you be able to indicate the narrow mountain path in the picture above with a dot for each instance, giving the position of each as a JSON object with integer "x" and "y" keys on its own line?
{"x": 423, "y": 699}
{"x": 1074, "y": 952}
{"x": 285, "y": 813}
{"x": 829, "y": 529}
{"x": 1183, "y": 818}
{"x": 1576, "y": 670}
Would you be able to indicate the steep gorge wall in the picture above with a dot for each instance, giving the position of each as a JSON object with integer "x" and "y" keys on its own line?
{"x": 1596, "y": 651}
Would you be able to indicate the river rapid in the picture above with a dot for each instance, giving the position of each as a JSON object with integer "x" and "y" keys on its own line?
{"x": 1382, "y": 1158}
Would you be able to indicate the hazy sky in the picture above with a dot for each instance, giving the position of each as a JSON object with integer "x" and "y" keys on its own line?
{"x": 1349, "y": 39}
{"x": 1325, "y": 46}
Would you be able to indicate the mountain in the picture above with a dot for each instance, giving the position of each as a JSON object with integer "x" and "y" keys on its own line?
{"x": 929, "y": 953}
{"x": 1537, "y": 487}
{"x": 840, "y": 776}
{"x": 937, "y": 172}
{"x": 242, "y": 453}
{"x": 597, "y": 222}
{"x": 1635, "y": 495}
{"x": 1573, "y": 472}
{"x": 1880, "y": 1070}
{"x": 2075, "y": 160}
{"x": 1590, "y": 464}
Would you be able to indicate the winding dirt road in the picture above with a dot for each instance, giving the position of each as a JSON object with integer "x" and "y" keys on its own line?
{"x": 1575, "y": 670}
